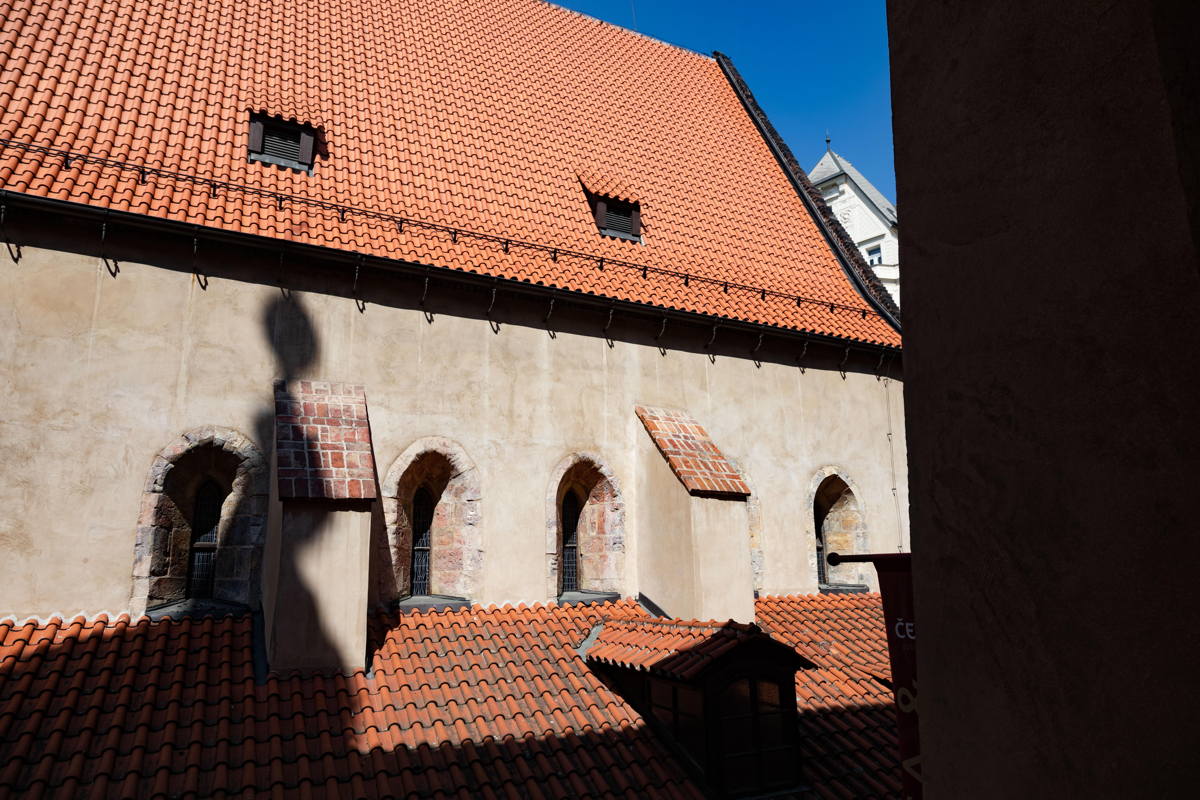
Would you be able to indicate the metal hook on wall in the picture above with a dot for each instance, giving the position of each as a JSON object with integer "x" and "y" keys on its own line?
{"x": 14, "y": 250}
{"x": 661, "y": 350}
{"x": 358, "y": 302}
{"x": 283, "y": 289}
{"x": 549, "y": 314}
{"x": 495, "y": 326}
{"x": 842, "y": 366}
{"x": 712, "y": 357}
{"x": 200, "y": 279}
{"x": 879, "y": 366}
{"x": 109, "y": 264}
{"x": 421, "y": 303}
{"x": 608, "y": 325}
{"x": 800, "y": 358}
{"x": 757, "y": 347}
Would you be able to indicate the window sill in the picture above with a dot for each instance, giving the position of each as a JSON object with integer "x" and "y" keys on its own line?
{"x": 195, "y": 607}
{"x": 283, "y": 162}
{"x": 431, "y": 602}
{"x": 587, "y": 598}
{"x": 620, "y": 235}
{"x": 843, "y": 588}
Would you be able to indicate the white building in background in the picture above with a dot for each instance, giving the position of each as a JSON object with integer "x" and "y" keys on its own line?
{"x": 868, "y": 216}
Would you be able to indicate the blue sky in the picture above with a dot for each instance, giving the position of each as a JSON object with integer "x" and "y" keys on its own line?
{"x": 812, "y": 66}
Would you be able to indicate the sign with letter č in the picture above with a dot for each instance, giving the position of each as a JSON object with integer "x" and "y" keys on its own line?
{"x": 895, "y": 584}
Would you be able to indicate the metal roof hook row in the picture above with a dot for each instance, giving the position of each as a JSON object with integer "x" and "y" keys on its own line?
{"x": 14, "y": 250}
{"x": 110, "y": 264}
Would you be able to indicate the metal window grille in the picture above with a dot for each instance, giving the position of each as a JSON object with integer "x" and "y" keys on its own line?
{"x": 206, "y": 520}
{"x": 569, "y": 568}
{"x": 822, "y": 578}
{"x": 422, "y": 519}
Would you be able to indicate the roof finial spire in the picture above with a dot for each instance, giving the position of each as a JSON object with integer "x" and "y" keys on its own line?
{"x": 827, "y": 147}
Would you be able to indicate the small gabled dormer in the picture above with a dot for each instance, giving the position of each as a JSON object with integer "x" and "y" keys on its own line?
{"x": 723, "y": 693}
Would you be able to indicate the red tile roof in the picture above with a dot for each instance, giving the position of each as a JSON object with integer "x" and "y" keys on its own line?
{"x": 323, "y": 441}
{"x": 467, "y": 703}
{"x": 847, "y": 715}
{"x": 471, "y": 703}
{"x": 481, "y": 115}
{"x": 676, "y": 648}
{"x": 692, "y": 454}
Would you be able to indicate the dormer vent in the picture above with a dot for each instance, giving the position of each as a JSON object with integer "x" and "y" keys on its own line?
{"x": 618, "y": 218}
{"x": 282, "y": 143}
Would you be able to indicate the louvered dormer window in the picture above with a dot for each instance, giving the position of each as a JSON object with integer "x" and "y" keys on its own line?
{"x": 284, "y": 144}
{"x": 618, "y": 218}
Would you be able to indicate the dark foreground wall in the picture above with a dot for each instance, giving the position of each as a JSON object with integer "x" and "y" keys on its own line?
{"x": 1045, "y": 160}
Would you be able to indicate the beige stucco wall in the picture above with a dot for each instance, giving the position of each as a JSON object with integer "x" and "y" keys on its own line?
{"x": 100, "y": 372}
{"x": 317, "y": 619}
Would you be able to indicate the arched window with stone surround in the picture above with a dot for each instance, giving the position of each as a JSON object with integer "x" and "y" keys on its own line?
{"x": 202, "y": 524}
{"x": 840, "y": 528}
{"x": 430, "y": 548}
{"x": 585, "y": 533}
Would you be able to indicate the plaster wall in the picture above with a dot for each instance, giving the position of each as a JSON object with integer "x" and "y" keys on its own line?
{"x": 321, "y": 596}
{"x": 720, "y": 557}
{"x": 102, "y": 371}
{"x": 1051, "y": 391}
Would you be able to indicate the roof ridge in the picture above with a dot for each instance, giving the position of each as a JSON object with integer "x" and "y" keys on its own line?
{"x": 623, "y": 29}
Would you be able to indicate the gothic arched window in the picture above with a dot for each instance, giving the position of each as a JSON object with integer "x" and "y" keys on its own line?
{"x": 572, "y": 507}
{"x": 422, "y": 535}
{"x": 206, "y": 518}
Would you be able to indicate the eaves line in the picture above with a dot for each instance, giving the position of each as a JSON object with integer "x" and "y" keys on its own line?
{"x": 419, "y": 271}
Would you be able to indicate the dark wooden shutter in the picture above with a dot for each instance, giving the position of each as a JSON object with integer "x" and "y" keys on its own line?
{"x": 601, "y": 213}
{"x": 307, "y": 142}
{"x": 636, "y": 220}
{"x": 256, "y": 135}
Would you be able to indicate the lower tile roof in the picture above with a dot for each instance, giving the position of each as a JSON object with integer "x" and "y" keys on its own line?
{"x": 847, "y": 716}
{"x": 477, "y": 702}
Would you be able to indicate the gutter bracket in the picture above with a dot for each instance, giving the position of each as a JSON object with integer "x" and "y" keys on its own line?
{"x": 109, "y": 264}
{"x": 14, "y": 250}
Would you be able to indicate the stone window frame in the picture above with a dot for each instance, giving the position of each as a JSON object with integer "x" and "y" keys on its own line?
{"x": 862, "y": 572}
{"x": 243, "y": 515}
{"x": 457, "y": 517}
{"x": 604, "y": 548}
{"x": 754, "y": 526}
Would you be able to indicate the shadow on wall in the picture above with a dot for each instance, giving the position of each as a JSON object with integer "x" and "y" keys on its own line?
{"x": 286, "y": 325}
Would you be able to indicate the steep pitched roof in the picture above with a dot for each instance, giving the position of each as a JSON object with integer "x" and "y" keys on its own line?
{"x": 831, "y": 165}
{"x": 479, "y": 122}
